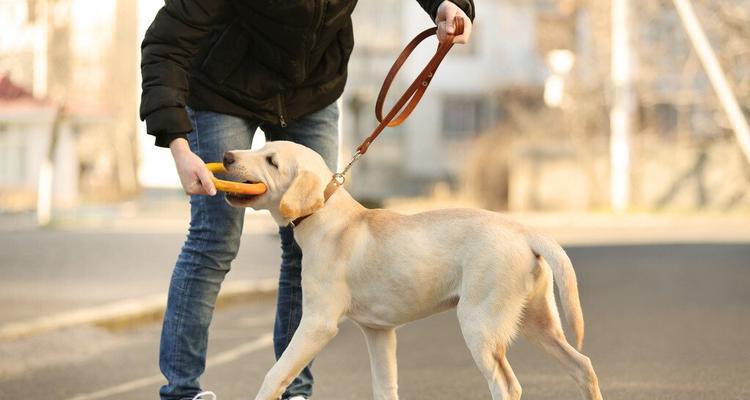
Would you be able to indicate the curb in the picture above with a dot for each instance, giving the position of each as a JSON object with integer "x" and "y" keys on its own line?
{"x": 127, "y": 313}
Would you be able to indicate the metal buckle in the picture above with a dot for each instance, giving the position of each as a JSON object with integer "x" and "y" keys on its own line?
{"x": 339, "y": 178}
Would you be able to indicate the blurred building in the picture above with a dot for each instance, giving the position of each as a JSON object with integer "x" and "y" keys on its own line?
{"x": 522, "y": 113}
{"x": 26, "y": 126}
{"x": 78, "y": 57}
{"x": 462, "y": 101}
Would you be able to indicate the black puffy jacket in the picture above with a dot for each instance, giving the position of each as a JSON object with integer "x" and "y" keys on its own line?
{"x": 269, "y": 60}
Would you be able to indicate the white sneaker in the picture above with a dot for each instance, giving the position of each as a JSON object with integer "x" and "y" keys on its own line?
{"x": 205, "y": 396}
{"x": 297, "y": 398}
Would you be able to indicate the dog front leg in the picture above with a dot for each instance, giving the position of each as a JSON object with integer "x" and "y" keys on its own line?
{"x": 311, "y": 336}
{"x": 381, "y": 344}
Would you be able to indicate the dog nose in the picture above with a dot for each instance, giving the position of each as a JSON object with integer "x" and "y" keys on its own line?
{"x": 228, "y": 158}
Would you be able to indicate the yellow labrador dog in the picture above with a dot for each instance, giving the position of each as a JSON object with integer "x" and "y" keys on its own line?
{"x": 382, "y": 269}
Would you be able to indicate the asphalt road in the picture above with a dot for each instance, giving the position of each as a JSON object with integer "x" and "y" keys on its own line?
{"x": 663, "y": 322}
{"x": 44, "y": 272}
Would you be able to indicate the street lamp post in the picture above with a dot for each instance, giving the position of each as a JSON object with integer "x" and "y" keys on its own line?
{"x": 622, "y": 107}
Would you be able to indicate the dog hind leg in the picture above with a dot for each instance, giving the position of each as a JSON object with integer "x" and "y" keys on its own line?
{"x": 542, "y": 326}
{"x": 487, "y": 340}
{"x": 514, "y": 387}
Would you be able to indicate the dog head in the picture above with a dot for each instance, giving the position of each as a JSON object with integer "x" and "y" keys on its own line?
{"x": 295, "y": 177}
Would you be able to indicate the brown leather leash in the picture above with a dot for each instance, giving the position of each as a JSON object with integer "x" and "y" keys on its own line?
{"x": 405, "y": 105}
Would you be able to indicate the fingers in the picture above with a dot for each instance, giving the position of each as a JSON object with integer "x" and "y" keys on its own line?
{"x": 464, "y": 37}
{"x": 198, "y": 181}
{"x": 207, "y": 185}
{"x": 194, "y": 187}
{"x": 445, "y": 19}
{"x": 197, "y": 187}
{"x": 445, "y": 30}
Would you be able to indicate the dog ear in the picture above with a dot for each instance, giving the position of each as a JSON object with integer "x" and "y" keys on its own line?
{"x": 303, "y": 197}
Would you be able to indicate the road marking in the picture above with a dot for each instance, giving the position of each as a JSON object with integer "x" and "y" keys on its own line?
{"x": 219, "y": 359}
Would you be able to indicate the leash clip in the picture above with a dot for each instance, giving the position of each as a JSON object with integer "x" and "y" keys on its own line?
{"x": 356, "y": 157}
{"x": 339, "y": 179}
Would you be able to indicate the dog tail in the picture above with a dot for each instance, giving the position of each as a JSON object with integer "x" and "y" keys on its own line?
{"x": 565, "y": 278}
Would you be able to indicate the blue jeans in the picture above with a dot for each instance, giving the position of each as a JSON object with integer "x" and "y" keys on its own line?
{"x": 212, "y": 243}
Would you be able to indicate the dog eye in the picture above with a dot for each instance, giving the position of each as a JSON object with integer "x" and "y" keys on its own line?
{"x": 271, "y": 161}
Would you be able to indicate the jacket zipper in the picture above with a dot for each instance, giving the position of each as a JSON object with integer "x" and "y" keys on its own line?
{"x": 282, "y": 111}
{"x": 320, "y": 19}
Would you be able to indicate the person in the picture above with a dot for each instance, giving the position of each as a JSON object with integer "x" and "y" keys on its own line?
{"x": 213, "y": 72}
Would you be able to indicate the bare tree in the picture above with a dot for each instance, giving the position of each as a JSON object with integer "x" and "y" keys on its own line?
{"x": 677, "y": 107}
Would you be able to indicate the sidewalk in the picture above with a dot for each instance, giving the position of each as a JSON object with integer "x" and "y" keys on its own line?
{"x": 603, "y": 228}
{"x": 169, "y": 214}
{"x": 167, "y": 211}
{"x": 97, "y": 262}
{"x": 106, "y": 264}
{"x": 154, "y": 211}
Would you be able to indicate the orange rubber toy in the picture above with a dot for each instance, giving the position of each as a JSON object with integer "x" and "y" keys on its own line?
{"x": 234, "y": 187}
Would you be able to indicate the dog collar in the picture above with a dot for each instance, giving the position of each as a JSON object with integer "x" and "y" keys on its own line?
{"x": 336, "y": 181}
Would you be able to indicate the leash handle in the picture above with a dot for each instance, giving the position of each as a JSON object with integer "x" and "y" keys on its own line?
{"x": 411, "y": 97}
{"x": 405, "y": 105}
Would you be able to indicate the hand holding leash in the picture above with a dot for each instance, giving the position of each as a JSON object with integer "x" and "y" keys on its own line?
{"x": 414, "y": 93}
{"x": 447, "y": 13}
{"x": 409, "y": 100}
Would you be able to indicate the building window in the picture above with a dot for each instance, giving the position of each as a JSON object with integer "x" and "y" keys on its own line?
{"x": 547, "y": 6}
{"x": 12, "y": 156}
{"x": 8, "y": 164}
{"x": 4, "y": 159}
{"x": 462, "y": 117}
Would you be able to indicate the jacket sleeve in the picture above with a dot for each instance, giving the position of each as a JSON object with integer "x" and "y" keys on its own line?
{"x": 168, "y": 47}
{"x": 431, "y": 7}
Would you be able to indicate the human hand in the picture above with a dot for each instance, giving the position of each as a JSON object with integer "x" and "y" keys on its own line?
{"x": 194, "y": 175}
{"x": 446, "y": 14}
